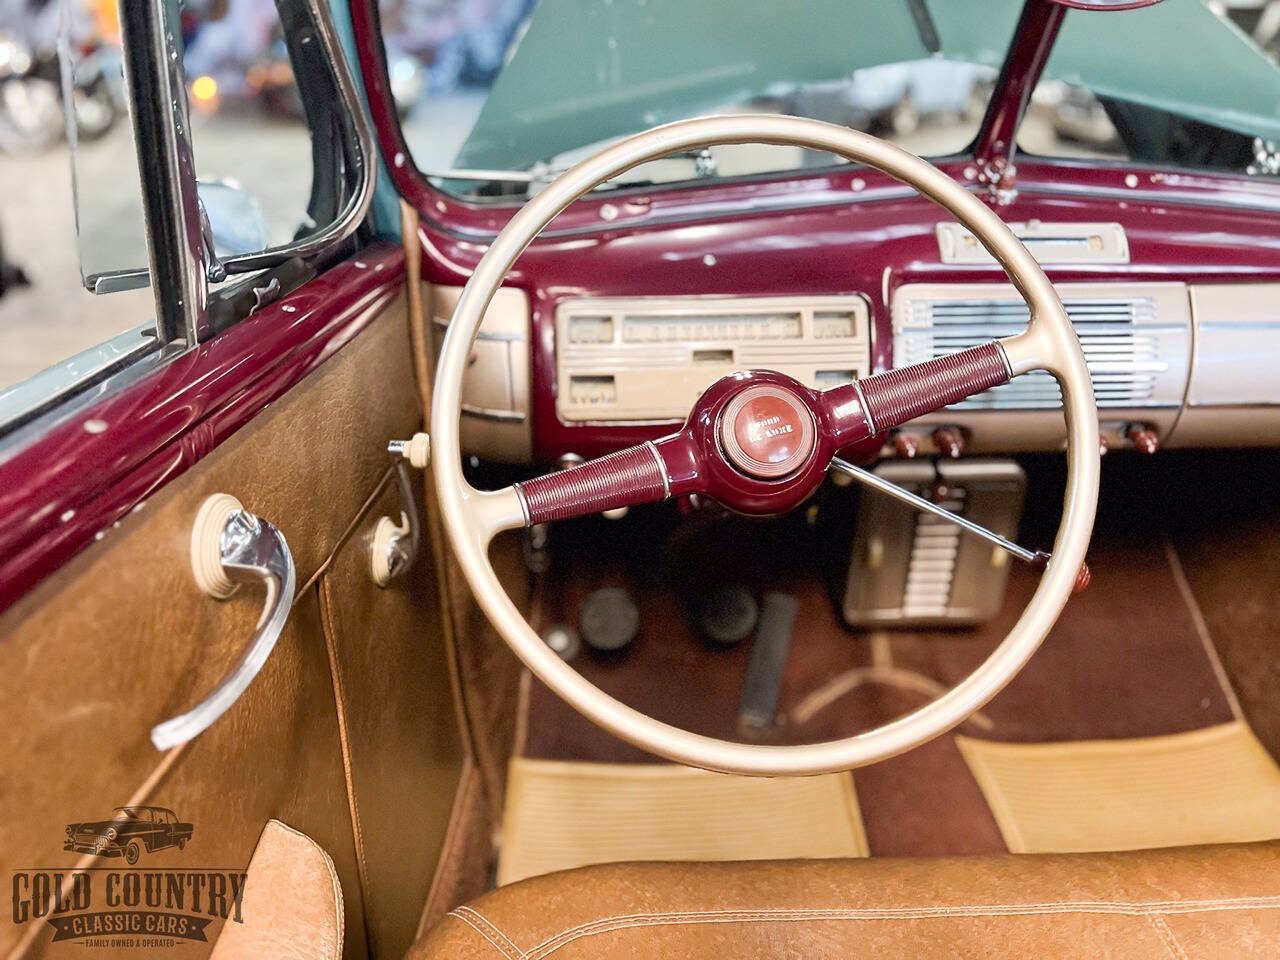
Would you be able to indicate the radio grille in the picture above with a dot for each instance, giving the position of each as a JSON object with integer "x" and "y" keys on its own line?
{"x": 1136, "y": 344}
{"x": 620, "y": 360}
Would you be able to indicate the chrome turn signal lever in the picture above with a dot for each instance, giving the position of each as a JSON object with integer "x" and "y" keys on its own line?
{"x": 1037, "y": 558}
{"x": 393, "y": 546}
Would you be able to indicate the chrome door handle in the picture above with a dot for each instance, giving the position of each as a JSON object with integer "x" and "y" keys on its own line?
{"x": 231, "y": 546}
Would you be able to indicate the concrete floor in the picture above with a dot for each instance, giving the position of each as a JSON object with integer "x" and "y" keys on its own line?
{"x": 55, "y": 317}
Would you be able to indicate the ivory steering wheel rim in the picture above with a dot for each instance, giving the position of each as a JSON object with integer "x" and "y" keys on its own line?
{"x": 472, "y": 518}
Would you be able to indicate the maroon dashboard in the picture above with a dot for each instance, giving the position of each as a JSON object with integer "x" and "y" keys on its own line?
{"x": 1168, "y": 275}
{"x": 1194, "y": 250}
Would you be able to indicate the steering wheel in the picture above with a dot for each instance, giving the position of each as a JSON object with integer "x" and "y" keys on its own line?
{"x": 760, "y": 443}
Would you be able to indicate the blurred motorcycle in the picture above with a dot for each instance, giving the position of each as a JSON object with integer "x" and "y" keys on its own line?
{"x": 31, "y": 117}
{"x": 32, "y": 111}
{"x": 11, "y": 275}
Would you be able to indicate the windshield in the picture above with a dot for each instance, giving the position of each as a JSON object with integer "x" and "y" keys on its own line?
{"x": 499, "y": 96}
{"x": 1174, "y": 84}
{"x": 563, "y": 78}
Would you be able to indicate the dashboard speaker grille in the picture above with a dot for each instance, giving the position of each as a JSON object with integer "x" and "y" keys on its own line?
{"x": 1136, "y": 343}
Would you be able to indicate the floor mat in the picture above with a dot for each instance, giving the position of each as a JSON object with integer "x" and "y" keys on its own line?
{"x": 1215, "y": 785}
{"x": 564, "y": 814}
{"x": 1130, "y": 657}
{"x": 1081, "y": 685}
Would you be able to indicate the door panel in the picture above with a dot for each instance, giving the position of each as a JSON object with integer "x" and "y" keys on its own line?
{"x": 401, "y": 736}
{"x": 120, "y": 638}
{"x": 273, "y": 755}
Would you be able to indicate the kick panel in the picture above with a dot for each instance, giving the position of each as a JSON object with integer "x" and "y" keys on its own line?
{"x": 620, "y": 360}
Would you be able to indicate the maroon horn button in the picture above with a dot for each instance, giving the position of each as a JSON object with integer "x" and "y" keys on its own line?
{"x": 767, "y": 432}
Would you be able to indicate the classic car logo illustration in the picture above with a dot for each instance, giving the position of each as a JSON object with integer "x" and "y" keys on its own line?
{"x": 95, "y": 904}
{"x": 130, "y": 832}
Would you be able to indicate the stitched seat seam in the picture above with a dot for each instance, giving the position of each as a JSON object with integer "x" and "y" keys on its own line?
{"x": 1166, "y": 933}
{"x": 465, "y": 911}
{"x": 1121, "y": 908}
{"x": 485, "y": 934}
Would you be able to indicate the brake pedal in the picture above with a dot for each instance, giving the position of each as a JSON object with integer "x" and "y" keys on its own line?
{"x": 728, "y": 615}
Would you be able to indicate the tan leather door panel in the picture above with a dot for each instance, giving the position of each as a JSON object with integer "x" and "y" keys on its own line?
{"x": 79, "y": 747}
{"x": 121, "y": 639}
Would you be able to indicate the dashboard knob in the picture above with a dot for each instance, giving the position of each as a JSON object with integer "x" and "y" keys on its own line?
{"x": 949, "y": 441}
{"x": 1144, "y": 438}
{"x": 1083, "y": 579}
{"x": 906, "y": 445}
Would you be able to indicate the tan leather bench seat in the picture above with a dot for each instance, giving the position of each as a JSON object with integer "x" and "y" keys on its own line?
{"x": 1176, "y": 904}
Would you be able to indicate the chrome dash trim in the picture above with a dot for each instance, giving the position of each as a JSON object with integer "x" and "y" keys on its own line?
{"x": 484, "y": 413}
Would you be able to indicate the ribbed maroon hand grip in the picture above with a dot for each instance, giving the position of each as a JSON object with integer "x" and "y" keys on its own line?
{"x": 896, "y": 396}
{"x": 621, "y": 479}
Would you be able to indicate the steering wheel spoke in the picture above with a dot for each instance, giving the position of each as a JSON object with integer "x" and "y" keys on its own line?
{"x": 627, "y": 478}
{"x": 874, "y": 405}
{"x": 904, "y": 393}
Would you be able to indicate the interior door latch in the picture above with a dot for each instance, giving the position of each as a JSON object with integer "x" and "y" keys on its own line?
{"x": 393, "y": 546}
{"x": 231, "y": 546}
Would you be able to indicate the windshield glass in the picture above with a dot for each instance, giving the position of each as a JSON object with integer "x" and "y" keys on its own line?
{"x": 1177, "y": 83}
{"x": 499, "y": 96}
{"x": 509, "y": 92}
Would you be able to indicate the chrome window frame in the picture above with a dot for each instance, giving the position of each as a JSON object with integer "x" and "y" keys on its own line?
{"x": 357, "y": 204}
{"x": 180, "y": 266}
{"x": 151, "y": 41}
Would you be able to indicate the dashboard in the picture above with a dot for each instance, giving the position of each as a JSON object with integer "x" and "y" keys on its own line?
{"x": 1183, "y": 351}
